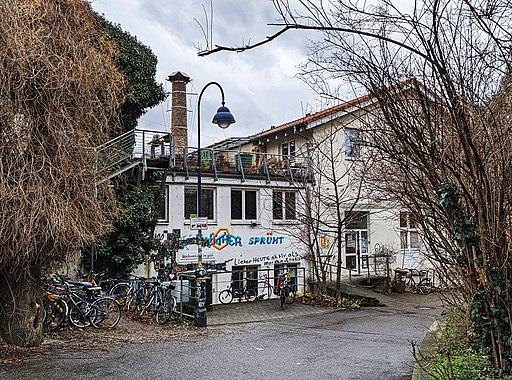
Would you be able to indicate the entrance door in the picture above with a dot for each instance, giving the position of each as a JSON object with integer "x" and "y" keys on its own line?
{"x": 356, "y": 251}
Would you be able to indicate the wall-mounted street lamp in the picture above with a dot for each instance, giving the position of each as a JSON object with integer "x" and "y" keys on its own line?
{"x": 223, "y": 118}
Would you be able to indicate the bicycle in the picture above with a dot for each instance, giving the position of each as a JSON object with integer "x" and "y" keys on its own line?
{"x": 285, "y": 291}
{"x": 142, "y": 298}
{"x": 266, "y": 285}
{"x": 55, "y": 310}
{"x": 84, "y": 308}
{"x": 124, "y": 291}
{"x": 166, "y": 306}
{"x": 227, "y": 295}
{"x": 423, "y": 286}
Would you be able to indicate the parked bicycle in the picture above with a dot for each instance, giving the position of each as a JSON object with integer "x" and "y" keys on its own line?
{"x": 124, "y": 290}
{"x": 55, "y": 310}
{"x": 227, "y": 295}
{"x": 153, "y": 296}
{"x": 166, "y": 305}
{"x": 81, "y": 303}
{"x": 267, "y": 288}
{"x": 422, "y": 285}
{"x": 285, "y": 291}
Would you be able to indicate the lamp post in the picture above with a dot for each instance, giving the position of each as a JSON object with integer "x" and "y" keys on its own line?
{"x": 223, "y": 118}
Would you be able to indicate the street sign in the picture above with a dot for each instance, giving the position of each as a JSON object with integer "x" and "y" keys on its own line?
{"x": 199, "y": 223}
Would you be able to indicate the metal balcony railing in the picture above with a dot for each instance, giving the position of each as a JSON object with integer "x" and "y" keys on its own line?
{"x": 236, "y": 162}
{"x": 157, "y": 150}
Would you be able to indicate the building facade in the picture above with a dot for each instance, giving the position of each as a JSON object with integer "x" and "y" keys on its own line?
{"x": 262, "y": 193}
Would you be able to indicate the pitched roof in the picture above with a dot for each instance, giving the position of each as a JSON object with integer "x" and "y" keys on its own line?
{"x": 310, "y": 118}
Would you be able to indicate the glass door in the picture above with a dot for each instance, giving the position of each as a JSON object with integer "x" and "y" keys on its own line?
{"x": 356, "y": 251}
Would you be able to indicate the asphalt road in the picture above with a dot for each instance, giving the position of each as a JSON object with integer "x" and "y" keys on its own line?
{"x": 373, "y": 343}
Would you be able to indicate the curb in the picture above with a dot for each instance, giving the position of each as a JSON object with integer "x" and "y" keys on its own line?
{"x": 418, "y": 371}
{"x": 320, "y": 312}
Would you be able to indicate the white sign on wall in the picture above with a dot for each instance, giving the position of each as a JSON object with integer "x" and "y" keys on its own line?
{"x": 199, "y": 223}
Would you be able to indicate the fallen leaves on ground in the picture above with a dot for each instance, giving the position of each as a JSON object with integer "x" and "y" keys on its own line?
{"x": 128, "y": 331}
{"x": 319, "y": 300}
{"x": 323, "y": 300}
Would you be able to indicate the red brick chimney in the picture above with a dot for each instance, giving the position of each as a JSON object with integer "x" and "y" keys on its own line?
{"x": 179, "y": 131}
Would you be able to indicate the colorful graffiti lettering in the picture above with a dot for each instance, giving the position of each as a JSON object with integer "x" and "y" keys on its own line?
{"x": 222, "y": 238}
{"x": 254, "y": 240}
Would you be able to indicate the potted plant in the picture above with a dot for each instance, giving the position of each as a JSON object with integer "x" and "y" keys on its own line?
{"x": 254, "y": 169}
{"x": 225, "y": 166}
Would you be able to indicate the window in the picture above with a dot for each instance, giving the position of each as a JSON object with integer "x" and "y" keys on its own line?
{"x": 356, "y": 220}
{"x": 409, "y": 236}
{"x": 284, "y": 205}
{"x": 288, "y": 149}
{"x": 163, "y": 206}
{"x": 289, "y": 200}
{"x": 243, "y": 205}
{"x": 277, "y": 205}
{"x": 207, "y": 197}
{"x": 352, "y": 143}
{"x": 244, "y": 275}
{"x": 250, "y": 205}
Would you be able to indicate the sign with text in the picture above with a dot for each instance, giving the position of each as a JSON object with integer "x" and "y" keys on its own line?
{"x": 199, "y": 223}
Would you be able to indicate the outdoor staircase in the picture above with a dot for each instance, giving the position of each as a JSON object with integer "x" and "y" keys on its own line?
{"x": 129, "y": 150}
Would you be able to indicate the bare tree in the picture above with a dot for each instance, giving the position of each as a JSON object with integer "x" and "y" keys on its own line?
{"x": 443, "y": 139}
{"x": 59, "y": 93}
{"x": 327, "y": 198}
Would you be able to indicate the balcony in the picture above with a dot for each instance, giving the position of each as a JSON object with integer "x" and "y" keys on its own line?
{"x": 158, "y": 151}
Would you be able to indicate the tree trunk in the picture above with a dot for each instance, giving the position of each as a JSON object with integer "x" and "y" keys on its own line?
{"x": 339, "y": 263}
{"x": 21, "y": 311}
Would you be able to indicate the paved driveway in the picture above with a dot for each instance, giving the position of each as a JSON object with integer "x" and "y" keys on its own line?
{"x": 372, "y": 343}
{"x": 260, "y": 311}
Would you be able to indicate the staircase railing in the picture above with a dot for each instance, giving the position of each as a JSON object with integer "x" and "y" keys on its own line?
{"x": 131, "y": 149}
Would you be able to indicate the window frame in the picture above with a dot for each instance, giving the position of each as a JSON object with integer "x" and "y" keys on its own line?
{"x": 284, "y": 206}
{"x": 214, "y": 200}
{"x": 243, "y": 205}
{"x": 408, "y": 230}
{"x": 164, "y": 220}
{"x": 353, "y": 146}
{"x": 290, "y": 155}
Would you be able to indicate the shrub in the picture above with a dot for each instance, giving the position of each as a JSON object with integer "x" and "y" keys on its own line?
{"x": 469, "y": 366}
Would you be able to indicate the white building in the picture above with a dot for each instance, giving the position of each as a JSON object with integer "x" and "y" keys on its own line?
{"x": 254, "y": 196}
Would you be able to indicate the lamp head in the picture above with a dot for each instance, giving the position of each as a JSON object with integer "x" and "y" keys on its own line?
{"x": 223, "y": 118}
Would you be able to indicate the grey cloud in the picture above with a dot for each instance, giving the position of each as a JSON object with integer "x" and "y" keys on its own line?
{"x": 259, "y": 84}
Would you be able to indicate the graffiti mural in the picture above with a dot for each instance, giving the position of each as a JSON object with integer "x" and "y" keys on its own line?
{"x": 270, "y": 259}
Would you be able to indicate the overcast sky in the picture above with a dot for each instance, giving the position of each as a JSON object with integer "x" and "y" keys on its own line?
{"x": 259, "y": 84}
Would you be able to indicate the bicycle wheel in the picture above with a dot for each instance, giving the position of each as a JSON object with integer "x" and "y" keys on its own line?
{"x": 56, "y": 312}
{"x": 250, "y": 295}
{"x": 120, "y": 291}
{"x": 225, "y": 297}
{"x": 282, "y": 297}
{"x": 106, "y": 313}
{"x": 79, "y": 314}
{"x": 289, "y": 295}
{"x": 425, "y": 286}
{"x": 165, "y": 312}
